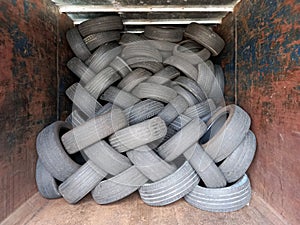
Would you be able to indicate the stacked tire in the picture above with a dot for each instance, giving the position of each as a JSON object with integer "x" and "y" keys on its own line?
{"x": 148, "y": 116}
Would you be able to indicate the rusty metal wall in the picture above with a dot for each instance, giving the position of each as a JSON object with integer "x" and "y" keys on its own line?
{"x": 33, "y": 52}
{"x": 268, "y": 88}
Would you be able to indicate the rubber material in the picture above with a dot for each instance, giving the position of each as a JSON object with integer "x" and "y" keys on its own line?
{"x": 236, "y": 164}
{"x": 76, "y": 118}
{"x": 102, "y": 81}
{"x": 205, "y": 77}
{"x": 77, "y": 45}
{"x": 133, "y": 79}
{"x": 142, "y": 111}
{"x": 100, "y": 24}
{"x": 139, "y": 134}
{"x": 107, "y": 158}
{"x": 163, "y": 76}
{"x": 119, "y": 97}
{"x": 180, "y": 122}
{"x": 51, "y": 152}
{"x": 201, "y": 109}
{"x": 183, "y": 65}
{"x": 206, "y": 37}
{"x": 205, "y": 167}
{"x": 81, "y": 182}
{"x": 84, "y": 73}
{"x": 154, "y": 91}
{"x": 93, "y": 41}
{"x": 119, "y": 187}
{"x": 170, "y": 188}
{"x": 141, "y": 49}
{"x": 149, "y": 163}
{"x": 46, "y": 183}
{"x": 145, "y": 63}
{"x": 192, "y": 87}
{"x": 188, "y": 96}
{"x": 128, "y": 38}
{"x": 83, "y": 100}
{"x": 226, "y": 199}
{"x": 220, "y": 77}
{"x": 164, "y": 33}
{"x": 94, "y": 130}
{"x": 225, "y": 141}
{"x": 182, "y": 140}
{"x": 119, "y": 65}
{"x": 108, "y": 47}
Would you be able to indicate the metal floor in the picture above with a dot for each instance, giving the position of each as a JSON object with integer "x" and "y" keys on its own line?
{"x": 39, "y": 211}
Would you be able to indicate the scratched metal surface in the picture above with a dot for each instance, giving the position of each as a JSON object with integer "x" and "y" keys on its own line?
{"x": 268, "y": 71}
{"x": 28, "y": 90}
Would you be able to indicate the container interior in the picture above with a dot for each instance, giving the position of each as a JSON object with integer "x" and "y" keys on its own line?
{"x": 260, "y": 61}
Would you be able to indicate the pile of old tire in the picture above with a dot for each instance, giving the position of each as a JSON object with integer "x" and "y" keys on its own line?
{"x": 148, "y": 115}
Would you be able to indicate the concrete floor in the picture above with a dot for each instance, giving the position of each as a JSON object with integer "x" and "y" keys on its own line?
{"x": 132, "y": 210}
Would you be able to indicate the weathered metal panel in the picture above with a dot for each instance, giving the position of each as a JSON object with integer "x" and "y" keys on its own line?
{"x": 268, "y": 73}
{"x": 31, "y": 33}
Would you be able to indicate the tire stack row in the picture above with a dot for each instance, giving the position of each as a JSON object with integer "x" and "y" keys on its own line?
{"x": 148, "y": 115}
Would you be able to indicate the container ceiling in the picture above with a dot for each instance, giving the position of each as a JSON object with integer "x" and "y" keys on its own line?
{"x": 142, "y": 12}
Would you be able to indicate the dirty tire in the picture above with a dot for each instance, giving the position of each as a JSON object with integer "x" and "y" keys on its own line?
{"x": 206, "y": 37}
{"x": 139, "y": 134}
{"x": 77, "y": 45}
{"x": 52, "y": 154}
{"x": 46, "y": 183}
{"x": 84, "y": 73}
{"x": 94, "y": 130}
{"x": 93, "y": 41}
{"x": 182, "y": 140}
{"x": 76, "y": 118}
{"x": 141, "y": 49}
{"x": 188, "y": 96}
{"x": 164, "y": 33}
{"x": 81, "y": 182}
{"x": 237, "y": 163}
{"x": 119, "y": 186}
{"x": 119, "y": 65}
{"x": 107, "y": 158}
{"x": 225, "y": 141}
{"x": 201, "y": 109}
{"x": 165, "y": 75}
{"x": 100, "y": 24}
{"x": 149, "y": 163}
{"x": 227, "y": 199}
{"x": 170, "y": 188}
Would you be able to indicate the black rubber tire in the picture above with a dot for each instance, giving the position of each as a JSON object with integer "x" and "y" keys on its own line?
{"x": 128, "y": 38}
{"x": 205, "y": 77}
{"x": 192, "y": 87}
{"x": 164, "y": 33}
{"x": 180, "y": 122}
{"x": 46, "y": 183}
{"x": 93, "y": 41}
{"x": 220, "y": 77}
{"x": 145, "y": 63}
{"x": 182, "y": 140}
{"x": 94, "y": 130}
{"x": 201, "y": 109}
{"x": 133, "y": 79}
{"x": 183, "y": 65}
{"x": 173, "y": 109}
{"x": 141, "y": 49}
{"x": 227, "y": 199}
{"x": 101, "y": 51}
{"x": 162, "y": 46}
{"x": 100, "y": 24}
{"x": 51, "y": 152}
{"x": 84, "y": 73}
{"x": 170, "y": 188}
{"x": 191, "y": 51}
{"x": 100, "y": 60}
{"x": 154, "y": 91}
{"x": 119, "y": 65}
{"x": 107, "y": 158}
{"x": 83, "y": 100}
{"x": 225, "y": 140}
{"x": 206, "y": 37}
{"x": 188, "y": 96}
{"x": 165, "y": 75}
{"x": 205, "y": 167}
{"x": 102, "y": 81}
{"x": 119, "y": 97}
{"x": 139, "y": 134}
{"x": 142, "y": 111}
{"x": 81, "y": 182}
{"x": 119, "y": 186}
{"x": 149, "y": 163}
{"x": 76, "y": 118}
{"x": 238, "y": 162}
{"x": 77, "y": 45}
